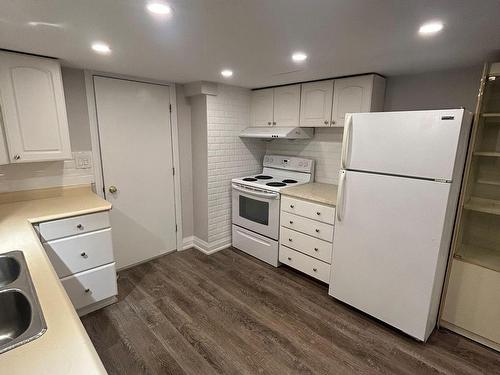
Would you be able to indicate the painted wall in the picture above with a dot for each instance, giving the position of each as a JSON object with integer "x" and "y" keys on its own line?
{"x": 199, "y": 166}
{"x": 435, "y": 90}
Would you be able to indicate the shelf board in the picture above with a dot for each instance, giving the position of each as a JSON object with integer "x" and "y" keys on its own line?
{"x": 490, "y": 114}
{"x": 488, "y": 182}
{"x": 479, "y": 256}
{"x": 489, "y": 206}
{"x": 493, "y": 154}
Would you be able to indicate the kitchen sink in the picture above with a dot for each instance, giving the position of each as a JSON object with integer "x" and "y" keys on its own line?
{"x": 21, "y": 318}
{"x": 9, "y": 270}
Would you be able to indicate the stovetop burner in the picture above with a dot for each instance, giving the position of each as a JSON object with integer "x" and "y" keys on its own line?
{"x": 263, "y": 177}
{"x": 249, "y": 179}
{"x": 277, "y": 184}
{"x": 289, "y": 181}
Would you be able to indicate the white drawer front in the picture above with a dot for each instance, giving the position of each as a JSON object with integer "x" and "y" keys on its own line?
{"x": 312, "y": 210}
{"x": 311, "y": 227}
{"x": 79, "y": 253}
{"x": 314, "y": 247}
{"x": 50, "y": 230}
{"x": 304, "y": 263}
{"x": 88, "y": 287}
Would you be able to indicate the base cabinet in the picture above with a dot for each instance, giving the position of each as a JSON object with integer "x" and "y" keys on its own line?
{"x": 472, "y": 305}
{"x": 81, "y": 252}
{"x": 306, "y": 237}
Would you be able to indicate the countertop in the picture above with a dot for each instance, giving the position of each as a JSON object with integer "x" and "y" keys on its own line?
{"x": 65, "y": 347}
{"x": 313, "y": 191}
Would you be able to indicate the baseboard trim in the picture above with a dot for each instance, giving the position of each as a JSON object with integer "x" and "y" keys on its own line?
{"x": 203, "y": 246}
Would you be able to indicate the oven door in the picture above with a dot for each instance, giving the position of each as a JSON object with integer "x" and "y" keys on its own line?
{"x": 256, "y": 210}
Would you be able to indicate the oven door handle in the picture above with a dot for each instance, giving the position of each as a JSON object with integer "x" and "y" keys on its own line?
{"x": 256, "y": 193}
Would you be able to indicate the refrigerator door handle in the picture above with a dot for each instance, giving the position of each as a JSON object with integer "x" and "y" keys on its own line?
{"x": 346, "y": 140}
{"x": 340, "y": 196}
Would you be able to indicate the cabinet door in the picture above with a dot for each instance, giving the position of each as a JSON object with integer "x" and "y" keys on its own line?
{"x": 33, "y": 108}
{"x": 262, "y": 107}
{"x": 286, "y": 105}
{"x": 316, "y": 104}
{"x": 351, "y": 95}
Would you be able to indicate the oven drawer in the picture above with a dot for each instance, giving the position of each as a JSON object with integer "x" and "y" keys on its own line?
{"x": 256, "y": 245}
{"x": 311, "y": 227}
{"x": 88, "y": 287}
{"x": 79, "y": 253}
{"x": 314, "y": 247}
{"x": 320, "y": 212}
{"x": 50, "y": 230}
{"x": 304, "y": 263}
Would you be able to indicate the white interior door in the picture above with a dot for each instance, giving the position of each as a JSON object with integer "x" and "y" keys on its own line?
{"x": 418, "y": 143}
{"x": 386, "y": 248}
{"x": 136, "y": 150}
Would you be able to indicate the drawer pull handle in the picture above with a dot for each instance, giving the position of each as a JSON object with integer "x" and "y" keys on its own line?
{"x": 318, "y": 213}
{"x": 290, "y": 239}
{"x": 84, "y": 254}
{"x": 317, "y": 230}
{"x": 315, "y": 269}
{"x": 289, "y": 258}
{"x": 315, "y": 249}
{"x": 88, "y": 290}
{"x": 292, "y": 206}
{"x": 80, "y": 226}
{"x": 291, "y": 222}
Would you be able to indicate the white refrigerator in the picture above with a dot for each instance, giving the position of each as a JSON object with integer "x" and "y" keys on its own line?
{"x": 398, "y": 192}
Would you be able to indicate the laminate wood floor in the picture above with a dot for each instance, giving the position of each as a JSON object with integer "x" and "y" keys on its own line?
{"x": 188, "y": 313}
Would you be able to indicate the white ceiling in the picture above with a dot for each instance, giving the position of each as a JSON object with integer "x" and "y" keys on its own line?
{"x": 255, "y": 38}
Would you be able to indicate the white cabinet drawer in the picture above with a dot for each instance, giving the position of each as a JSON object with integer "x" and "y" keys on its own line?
{"x": 314, "y": 247}
{"x": 315, "y": 211}
{"x": 304, "y": 263}
{"x": 307, "y": 226}
{"x": 50, "y": 230}
{"x": 79, "y": 253}
{"x": 88, "y": 287}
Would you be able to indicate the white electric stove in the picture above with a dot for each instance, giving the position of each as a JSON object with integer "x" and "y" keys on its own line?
{"x": 256, "y": 204}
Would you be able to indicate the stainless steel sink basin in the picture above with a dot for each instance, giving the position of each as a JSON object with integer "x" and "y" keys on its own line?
{"x": 9, "y": 270}
{"x": 21, "y": 318}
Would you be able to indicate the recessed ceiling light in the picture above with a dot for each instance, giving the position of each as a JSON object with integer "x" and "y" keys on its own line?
{"x": 299, "y": 56}
{"x": 159, "y": 8}
{"x": 430, "y": 28}
{"x": 101, "y": 48}
{"x": 226, "y": 73}
{"x": 48, "y": 24}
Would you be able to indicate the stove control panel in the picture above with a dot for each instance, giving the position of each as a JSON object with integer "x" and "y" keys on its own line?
{"x": 291, "y": 163}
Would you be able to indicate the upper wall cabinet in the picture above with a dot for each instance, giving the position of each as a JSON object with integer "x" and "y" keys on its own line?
{"x": 276, "y": 107}
{"x": 262, "y": 107}
{"x": 286, "y": 105}
{"x": 316, "y": 103}
{"x": 357, "y": 94}
{"x": 33, "y": 109}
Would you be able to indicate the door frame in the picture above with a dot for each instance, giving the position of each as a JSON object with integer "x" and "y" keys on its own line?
{"x": 96, "y": 144}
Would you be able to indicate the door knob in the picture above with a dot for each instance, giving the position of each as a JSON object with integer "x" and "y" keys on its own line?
{"x": 112, "y": 189}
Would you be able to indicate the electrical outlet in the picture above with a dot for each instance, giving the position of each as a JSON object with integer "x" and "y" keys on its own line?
{"x": 83, "y": 160}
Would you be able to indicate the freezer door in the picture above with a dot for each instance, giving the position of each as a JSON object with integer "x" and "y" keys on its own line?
{"x": 386, "y": 248}
{"x": 417, "y": 143}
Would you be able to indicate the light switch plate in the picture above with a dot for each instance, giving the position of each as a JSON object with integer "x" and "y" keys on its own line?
{"x": 83, "y": 159}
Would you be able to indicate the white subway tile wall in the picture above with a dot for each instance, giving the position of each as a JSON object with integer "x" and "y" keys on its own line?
{"x": 27, "y": 176}
{"x": 325, "y": 148}
{"x": 229, "y": 156}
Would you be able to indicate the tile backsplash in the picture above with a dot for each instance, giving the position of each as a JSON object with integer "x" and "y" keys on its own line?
{"x": 325, "y": 148}
{"x": 27, "y": 176}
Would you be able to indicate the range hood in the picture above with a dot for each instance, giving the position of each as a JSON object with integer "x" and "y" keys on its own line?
{"x": 274, "y": 132}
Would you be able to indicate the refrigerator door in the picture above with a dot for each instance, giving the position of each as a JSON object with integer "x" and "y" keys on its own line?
{"x": 386, "y": 248}
{"x": 417, "y": 143}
